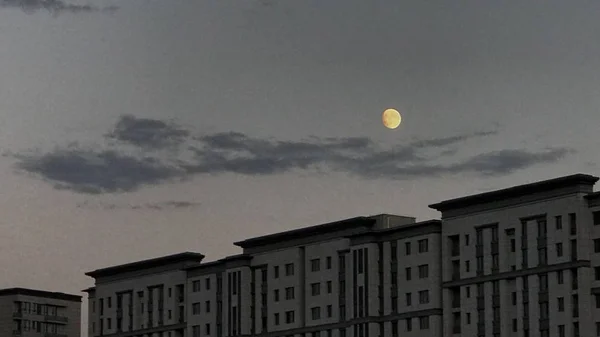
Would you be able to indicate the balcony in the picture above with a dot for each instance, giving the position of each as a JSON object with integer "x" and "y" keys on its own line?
{"x": 56, "y": 319}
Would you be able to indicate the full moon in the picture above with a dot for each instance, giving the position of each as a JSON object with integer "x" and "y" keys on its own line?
{"x": 391, "y": 118}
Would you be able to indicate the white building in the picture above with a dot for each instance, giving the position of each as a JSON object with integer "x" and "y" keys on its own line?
{"x": 34, "y": 313}
{"x": 523, "y": 261}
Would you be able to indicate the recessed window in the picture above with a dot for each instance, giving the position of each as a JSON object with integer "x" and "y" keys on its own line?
{"x": 407, "y": 248}
{"x": 289, "y": 317}
{"x": 289, "y": 293}
{"x": 276, "y": 272}
{"x": 596, "y": 216}
{"x": 196, "y": 308}
{"x": 315, "y": 289}
{"x": 559, "y": 249}
{"x": 558, "y": 222}
{"x": 408, "y": 274}
{"x": 424, "y": 296}
{"x": 315, "y": 265}
{"x": 424, "y": 323}
{"x": 423, "y": 246}
{"x": 423, "y": 271}
{"x": 315, "y": 313}
{"x": 328, "y": 262}
{"x": 329, "y": 287}
{"x": 596, "y": 245}
{"x": 289, "y": 269}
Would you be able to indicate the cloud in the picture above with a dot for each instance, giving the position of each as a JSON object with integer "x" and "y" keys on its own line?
{"x": 53, "y": 6}
{"x": 165, "y": 205}
{"x": 148, "y": 133}
{"x": 113, "y": 171}
{"x": 94, "y": 172}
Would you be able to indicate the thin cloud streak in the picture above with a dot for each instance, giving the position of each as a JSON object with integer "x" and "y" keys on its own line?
{"x": 156, "y": 206}
{"x": 52, "y": 6}
{"x": 90, "y": 171}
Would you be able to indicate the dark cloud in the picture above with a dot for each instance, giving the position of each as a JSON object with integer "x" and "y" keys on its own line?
{"x": 148, "y": 133}
{"x": 159, "y": 206}
{"x": 89, "y": 171}
{"x": 53, "y": 6}
{"x": 92, "y": 172}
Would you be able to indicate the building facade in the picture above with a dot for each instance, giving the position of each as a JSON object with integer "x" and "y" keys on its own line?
{"x": 34, "y": 313}
{"x": 523, "y": 261}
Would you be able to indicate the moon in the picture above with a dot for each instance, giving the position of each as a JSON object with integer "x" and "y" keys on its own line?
{"x": 391, "y": 118}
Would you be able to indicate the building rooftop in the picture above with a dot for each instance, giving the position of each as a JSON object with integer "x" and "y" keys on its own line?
{"x": 146, "y": 264}
{"x": 40, "y": 293}
{"x": 307, "y": 231}
{"x": 516, "y": 191}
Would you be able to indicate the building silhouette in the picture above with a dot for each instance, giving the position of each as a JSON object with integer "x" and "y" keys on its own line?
{"x": 34, "y": 313}
{"x": 521, "y": 261}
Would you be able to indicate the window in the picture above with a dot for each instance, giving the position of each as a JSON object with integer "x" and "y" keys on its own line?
{"x": 170, "y": 292}
{"x": 328, "y": 262}
{"x": 467, "y": 266}
{"x": 514, "y": 325}
{"x": 196, "y": 308}
{"x": 276, "y": 272}
{"x": 466, "y": 239}
{"x": 424, "y": 296}
{"x": 207, "y": 306}
{"x": 330, "y": 310}
{"x": 329, "y": 287}
{"x": 596, "y": 245}
{"x": 408, "y": 324}
{"x": 543, "y": 282}
{"x": 468, "y": 318}
{"x": 315, "y": 313}
{"x": 597, "y": 328}
{"x": 407, "y": 246}
{"x": 408, "y": 299}
{"x": 289, "y": 269}
{"x": 494, "y": 234}
{"x": 289, "y": 317}
{"x": 196, "y": 331}
{"x": 315, "y": 289}
{"x": 558, "y": 221}
{"x": 596, "y": 216}
{"x": 468, "y": 289}
{"x": 393, "y": 250}
{"x": 207, "y": 283}
{"x": 424, "y": 322}
{"x": 597, "y": 273}
{"x": 276, "y": 319}
{"x": 289, "y": 293}
{"x": 559, "y": 249}
{"x": 597, "y": 299}
{"x": 573, "y": 223}
{"x": 394, "y": 328}
{"x": 207, "y": 329}
{"x": 514, "y": 298}
{"x": 561, "y": 331}
{"x": 109, "y": 302}
{"x": 276, "y": 295}
{"x": 513, "y": 245}
{"x": 561, "y": 304}
{"x": 408, "y": 274}
{"x": 456, "y": 322}
{"x": 423, "y": 246}
{"x": 196, "y": 286}
{"x": 423, "y": 271}
{"x": 315, "y": 265}
{"x": 454, "y": 245}
{"x": 559, "y": 277}
{"x": 394, "y": 302}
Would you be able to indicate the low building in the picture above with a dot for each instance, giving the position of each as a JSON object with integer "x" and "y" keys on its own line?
{"x": 34, "y": 313}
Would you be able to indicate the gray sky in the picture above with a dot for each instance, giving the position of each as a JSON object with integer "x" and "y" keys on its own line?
{"x": 138, "y": 128}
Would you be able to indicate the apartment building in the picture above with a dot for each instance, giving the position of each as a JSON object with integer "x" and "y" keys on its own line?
{"x": 364, "y": 276}
{"x": 34, "y": 313}
{"x": 523, "y": 261}
{"x": 147, "y": 296}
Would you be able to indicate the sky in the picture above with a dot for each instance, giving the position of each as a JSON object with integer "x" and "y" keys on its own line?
{"x": 135, "y": 129}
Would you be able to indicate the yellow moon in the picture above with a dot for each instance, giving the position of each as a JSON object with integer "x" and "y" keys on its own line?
{"x": 391, "y": 118}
